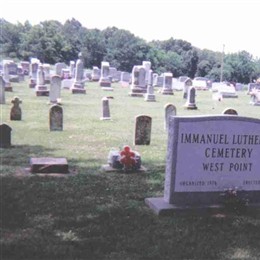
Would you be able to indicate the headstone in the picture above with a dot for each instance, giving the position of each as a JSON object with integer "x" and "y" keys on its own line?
{"x": 187, "y": 85}
{"x": 143, "y": 128}
{"x": 105, "y": 81}
{"x": 48, "y": 165}
{"x": 229, "y": 111}
{"x": 206, "y": 156}
{"x": 2, "y": 90}
{"x": 47, "y": 75}
{"x": 160, "y": 81}
{"x": 167, "y": 84}
{"x": 150, "y": 96}
{"x": 72, "y": 69}
{"x": 125, "y": 79}
{"x": 56, "y": 118}
{"x": 227, "y": 91}
{"x": 20, "y": 73}
{"x": 170, "y": 110}
{"x": 255, "y": 97}
{"x": 138, "y": 86}
{"x": 26, "y": 67}
{"x": 16, "y": 112}
{"x": 95, "y": 76}
{"x": 5, "y": 136}
{"x": 191, "y": 103}
{"x": 6, "y": 76}
{"x": 40, "y": 88}
{"x": 33, "y": 72}
{"x": 78, "y": 86}
{"x": 112, "y": 73}
{"x": 105, "y": 109}
{"x": 55, "y": 89}
{"x": 147, "y": 67}
{"x": 155, "y": 80}
{"x": 58, "y": 68}
{"x": 67, "y": 83}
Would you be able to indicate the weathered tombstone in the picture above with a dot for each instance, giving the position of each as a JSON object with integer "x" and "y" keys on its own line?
{"x": 191, "y": 103}
{"x": 16, "y": 112}
{"x": 78, "y": 86}
{"x": 20, "y": 73}
{"x": 155, "y": 80}
{"x": 5, "y": 136}
{"x": 13, "y": 72}
{"x": 143, "y": 128}
{"x": 6, "y": 76}
{"x": 112, "y": 73}
{"x": 149, "y": 96}
{"x": 56, "y": 118}
{"x": 2, "y": 90}
{"x": 160, "y": 81}
{"x": 58, "y": 68}
{"x": 105, "y": 109}
{"x": 125, "y": 79}
{"x": 207, "y": 156}
{"x": 67, "y": 83}
{"x": 40, "y": 88}
{"x": 105, "y": 81}
{"x": 255, "y": 97}
{"x": 147, "y": 67}
{"x": 187, "y": 85}
{"x": 55, "y": 89}
{"x": 229, "y": 111}
{"x": 47, "y": 75}
{"x": 167, "y": 84}
{"x": 26, "y": 67}
{"x": 33, "y": 72}
{"x": 170, "y": 110}
{"x": 138, "y": 86}
{"x": 95, "y": 76}
{"x": 72, "y": 69}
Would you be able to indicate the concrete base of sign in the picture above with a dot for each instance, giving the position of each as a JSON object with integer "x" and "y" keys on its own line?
{"x": 163, "y": 208}
{"x": 108, "y": 168}
{"x": 49, "y": 165}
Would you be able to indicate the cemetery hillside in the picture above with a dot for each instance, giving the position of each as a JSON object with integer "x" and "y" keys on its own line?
{"x": 115, "y": 148}
{"x": 51, "y": 42}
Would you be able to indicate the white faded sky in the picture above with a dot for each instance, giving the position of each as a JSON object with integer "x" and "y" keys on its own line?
{"x": 207, "y": 24}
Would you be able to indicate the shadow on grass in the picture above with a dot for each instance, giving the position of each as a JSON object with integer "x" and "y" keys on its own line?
{"x": 97, "y": 215}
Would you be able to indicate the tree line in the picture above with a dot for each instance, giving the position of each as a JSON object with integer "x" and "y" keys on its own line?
{"x": 51, "y": 42}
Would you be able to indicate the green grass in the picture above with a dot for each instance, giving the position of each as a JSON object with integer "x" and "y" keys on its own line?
{"x": 97, "y": 215}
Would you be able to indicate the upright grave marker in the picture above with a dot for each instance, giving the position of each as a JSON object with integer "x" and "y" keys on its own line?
{"x": 16, "y": 112}
{"x": 56, "y": 118}
{"x": 105, "y": 109}
{"x": 143, "y": 127}
{"x": 55, "y": 89}
{"x": 5, "y": 136}
{"x": 206, "y": 156}
{"x": 2, "y": 90}
{"x": 170, "y": 110}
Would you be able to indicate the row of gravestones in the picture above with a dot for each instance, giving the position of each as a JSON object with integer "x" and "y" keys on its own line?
{"x": 143, "y": 123}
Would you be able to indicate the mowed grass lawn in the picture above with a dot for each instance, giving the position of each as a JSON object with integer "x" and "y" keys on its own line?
{"x": 98, "y": 215}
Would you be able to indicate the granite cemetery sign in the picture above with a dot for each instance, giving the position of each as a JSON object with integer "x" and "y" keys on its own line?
{"x": 222, "y": 153}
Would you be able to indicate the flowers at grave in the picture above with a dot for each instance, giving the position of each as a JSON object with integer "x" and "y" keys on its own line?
{"x": 126, "y": 159}
{"x": 234, "y": 200}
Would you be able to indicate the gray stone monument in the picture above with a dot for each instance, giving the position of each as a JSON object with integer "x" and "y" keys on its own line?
{"x": 105, "y": 109}
{"x": 78, "y": 86}
{"x": 187, "y": 85}
{"x": 2, "y": 90}
{"x": 56, "y": 118}
{"x": 40, "y": 88}
{"x": 167, "y": 84}
{"x": 191, "y": 103}
{"x": 33, "y": 72}
{"x": 170, "y": 110}
{"x": 55, "y": 89}
{"x": 105, "y": 79}
{"x": 138, "y": 86}
{"x": 143, "y": 128}
{"x": 6, "y": 76}
{"x": 16, "y": 111}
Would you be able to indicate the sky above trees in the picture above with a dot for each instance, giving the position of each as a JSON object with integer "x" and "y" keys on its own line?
{"x": 229, "y": 25}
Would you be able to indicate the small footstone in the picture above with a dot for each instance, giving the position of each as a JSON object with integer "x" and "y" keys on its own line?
{"x": 49, "y": 165}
